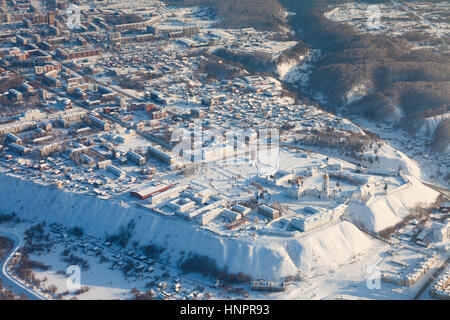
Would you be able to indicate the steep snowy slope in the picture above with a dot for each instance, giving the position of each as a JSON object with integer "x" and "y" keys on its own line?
{"x": 265, "y": 257}
{"x": 386, "y": 211}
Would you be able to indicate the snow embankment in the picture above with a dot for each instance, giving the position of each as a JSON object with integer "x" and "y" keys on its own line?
{"x": 386, "y": 211}
{"x": 266, "y": 257}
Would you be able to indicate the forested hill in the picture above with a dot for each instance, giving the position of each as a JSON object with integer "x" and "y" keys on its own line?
{"x": 258, "y": 14}
{"x": 401, "y": 83}
{"x": 413, "y": 80}
{"x": 406, "y": 84}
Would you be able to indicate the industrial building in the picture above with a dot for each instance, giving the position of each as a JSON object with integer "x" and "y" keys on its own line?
{"x": 269, "y": 212}
{"x": 161, "y": 155}
{"x": 210, "y": 215}
{"x": 149, "y": 191}
{"x": 99, "y": 123}
{"x": 311, "y": 222}
{"x": 136, "y": 158}
{"x": 169, "y": 193}
{"x": 116, "y": 171}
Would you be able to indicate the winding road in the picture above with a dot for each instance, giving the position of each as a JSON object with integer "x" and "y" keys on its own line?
{"x": 8, "y": 279}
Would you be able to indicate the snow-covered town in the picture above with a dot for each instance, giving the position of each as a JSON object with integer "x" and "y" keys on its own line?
{"x": 132, "y": 148}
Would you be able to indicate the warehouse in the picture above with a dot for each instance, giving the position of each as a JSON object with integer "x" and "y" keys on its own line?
{"x": 136, "y": 158}
{"x": 116, "y": 171}
{"x": 99, "y": 123}
{"x": 311, "y": 222}
{"x": 149, "y": 191}
{"x": 161, "y": 155}
{"x": 19, "y": 149}
{"x": 170, "y": 193}
{"x": 181, "y": 205}
{"x": 209, "y": 216}
{"x": 269, "y": 212}
{"x": 13, "y": 138}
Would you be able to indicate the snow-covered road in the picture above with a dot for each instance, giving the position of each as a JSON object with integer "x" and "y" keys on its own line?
{"x": 15, "y": 285}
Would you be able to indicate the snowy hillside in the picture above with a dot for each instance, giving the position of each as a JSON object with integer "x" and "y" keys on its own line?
{"x": 386, "y": 211}
{"x": 266, "y": 257}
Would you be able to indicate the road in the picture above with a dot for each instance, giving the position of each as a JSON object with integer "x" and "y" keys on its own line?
{"x": 444, "y": 191}
{"x": 9, "y": 280}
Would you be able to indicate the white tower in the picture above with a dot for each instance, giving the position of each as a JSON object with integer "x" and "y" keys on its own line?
{"x": 326, "y": 186}
{"x": 296, "y": 191}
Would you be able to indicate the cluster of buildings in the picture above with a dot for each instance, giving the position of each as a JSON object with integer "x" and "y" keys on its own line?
{"x": 406, "y": 276}
{"x": 87, "y": 103}
{"x": 313, "y": 185}
{"x": 441, "y": 286}
{"x": 318, "y": 219}
{"x": 202, "y": 206}
{"x": 78, "y": 54}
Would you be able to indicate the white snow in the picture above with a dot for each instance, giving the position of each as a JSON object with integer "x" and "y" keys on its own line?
{"x": 265, "y": 257}
{"x": 359, "y": 91}
{"x": 429, "y": 125}
{"x": 386, "y": 211}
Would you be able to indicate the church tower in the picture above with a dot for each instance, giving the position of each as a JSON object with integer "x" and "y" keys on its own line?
{"x": 326, "y": 186}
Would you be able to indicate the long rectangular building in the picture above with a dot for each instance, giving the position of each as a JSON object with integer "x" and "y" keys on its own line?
{"x": 149, "y": 191}
{"x": 19, "y": 149}
{"x": 136, "y": 158}
{"x": 170, "y": 193}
